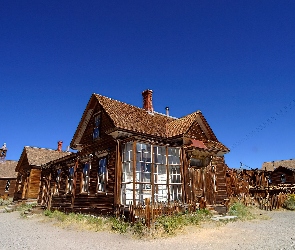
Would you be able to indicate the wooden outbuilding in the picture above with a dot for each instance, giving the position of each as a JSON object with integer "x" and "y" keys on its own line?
{"x": 129, "y": 155}
{"x": 29, "y": 170}
{"x": 7, "y": 178}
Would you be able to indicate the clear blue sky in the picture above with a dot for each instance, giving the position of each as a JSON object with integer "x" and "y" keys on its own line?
{"x": 233, "y": 60}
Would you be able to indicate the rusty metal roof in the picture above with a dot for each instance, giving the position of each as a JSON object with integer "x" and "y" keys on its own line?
{"x": 7, "y": 169}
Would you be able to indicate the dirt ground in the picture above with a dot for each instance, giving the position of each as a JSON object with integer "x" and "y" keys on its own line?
{"x": 275, "y": 232}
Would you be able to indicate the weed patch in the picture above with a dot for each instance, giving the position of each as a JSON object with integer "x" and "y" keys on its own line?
{"x": 162, "y": 227}
{"x": 241, "y": 211}
{"x": 289, "y": 203}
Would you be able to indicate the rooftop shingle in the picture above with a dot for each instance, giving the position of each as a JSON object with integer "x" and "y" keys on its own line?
{"x": 134, "y": 119}
{"x": 39, "y": 156}
{"x": 271, "y": 165}
{"x": 7, "y": 169}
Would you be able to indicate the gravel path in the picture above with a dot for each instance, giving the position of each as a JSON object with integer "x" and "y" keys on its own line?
{"x": 278, "y": 232}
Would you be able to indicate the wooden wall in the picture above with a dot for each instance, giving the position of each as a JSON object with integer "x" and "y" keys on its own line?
{"x": 205, "y": 183}
{"x": 92, "y": 202}
{"x": 10, "y": 192}
{"x": 277, "y": 174}
{"x": 34, "y": 184}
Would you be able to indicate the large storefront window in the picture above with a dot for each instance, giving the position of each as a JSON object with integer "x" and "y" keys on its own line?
{"x": 155, "y": 173}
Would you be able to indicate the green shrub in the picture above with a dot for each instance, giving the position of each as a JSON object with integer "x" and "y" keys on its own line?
{"x": 5, "y": 202}
{"x": 241, "y": 211}
{"x": 163, "y": 226}
{"x": 118, "y": 225}
{"x": 81, "y": 221}
{"x": 289, "y": 203}
{"x": 171, "y": 224}
{"x": 26, "y": 206}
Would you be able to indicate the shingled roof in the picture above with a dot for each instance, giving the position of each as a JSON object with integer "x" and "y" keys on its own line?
{"x": 181, "y": 126}
{"x": 272, "y": 165}
{"x": 39, "y": 156}
{"x": 134, "y": 119}
{"x": 7, "y": 169}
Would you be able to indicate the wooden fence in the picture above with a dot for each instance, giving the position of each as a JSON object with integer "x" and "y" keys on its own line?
{"x": 148, "y": 212}
{"x": 271, "y": 202}
{"x": 266, "y": 201}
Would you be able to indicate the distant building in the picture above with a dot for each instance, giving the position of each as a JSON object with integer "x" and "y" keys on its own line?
{"x": 272, "y": 165}
{"x": 29, "y": 170}
{"x": 280, "y": 172}
{"x": 7, "y": 178}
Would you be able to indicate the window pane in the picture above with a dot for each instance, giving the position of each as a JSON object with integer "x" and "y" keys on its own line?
{"x": 159, "y": 155}
{"x": 161, "y": 193}
{"x": 85, "y": 184}
{"x": 160, "y": 175}
{"x": 102, "y": 175}
{"x": 175, "y": 192}
{"x": 95, "y": 133}
{"x": 143, "y": 172}
{"x": 127, "y": 194}
{"x": 174, "y": 174}
{"x": 142, "y": 191}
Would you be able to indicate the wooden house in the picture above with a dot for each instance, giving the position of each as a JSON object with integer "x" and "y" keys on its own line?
{"x": 282, "y": 175}
{"x": 272, "y": 165}
{"x": 29, "y": 170}
{"x": 128, "y": 154}
{"x": 280, "y": 172}
{"x": 7, "y": 178}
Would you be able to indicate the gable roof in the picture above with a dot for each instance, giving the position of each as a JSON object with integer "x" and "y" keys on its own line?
{"x": 182, "y": 125}
{"x": 129, "y": 118}
{"x": 39, "y": 156}
{"x": 7, "y": 169}
{"x": 272, "y": 165}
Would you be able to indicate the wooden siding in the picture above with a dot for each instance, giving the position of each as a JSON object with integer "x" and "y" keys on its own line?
{"x": 10, "y": 192}
{"x": 105, "y": 125}
{"x": 91, "y": 202}
{"x": 34, "y": 184}
{"x": 206, "y": 183}
{"x": 276, "y": 176}
{"x": 196, "y": 132}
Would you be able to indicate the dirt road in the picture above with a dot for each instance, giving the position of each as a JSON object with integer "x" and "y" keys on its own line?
{"x": 277, "y": 232}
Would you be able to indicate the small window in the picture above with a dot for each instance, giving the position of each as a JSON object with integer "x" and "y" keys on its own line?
{"x": 70, "y": 180}
{"x": 7, "y": 186}
{"x": 96, "y": 126}
{"x": 85, "y": 181}
{"x": 102, "y": 175}
{"x": 196, "y": 163}
{"x": 283, "y": 178}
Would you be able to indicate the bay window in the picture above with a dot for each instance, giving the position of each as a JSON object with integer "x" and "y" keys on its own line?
{"x": 150, "y": 171}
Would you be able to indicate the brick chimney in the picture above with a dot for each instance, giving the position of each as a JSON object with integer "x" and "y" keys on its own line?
{"x": 59, "y": 146}
{"x": 147, "y": 100}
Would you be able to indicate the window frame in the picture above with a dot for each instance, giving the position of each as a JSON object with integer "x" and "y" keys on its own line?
{"x": 85, "y": 178}
{"x": 7, "y": 186}
{"x": 70, "y": 180}
{"x": 57, "y": 181}
{"x": 102, "y": 176}
{"x": 161, "y": 184}
{"x": 96, "y": 126}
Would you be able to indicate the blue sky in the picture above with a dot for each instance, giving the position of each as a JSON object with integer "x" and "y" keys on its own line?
{"x": 233, "y": 60}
